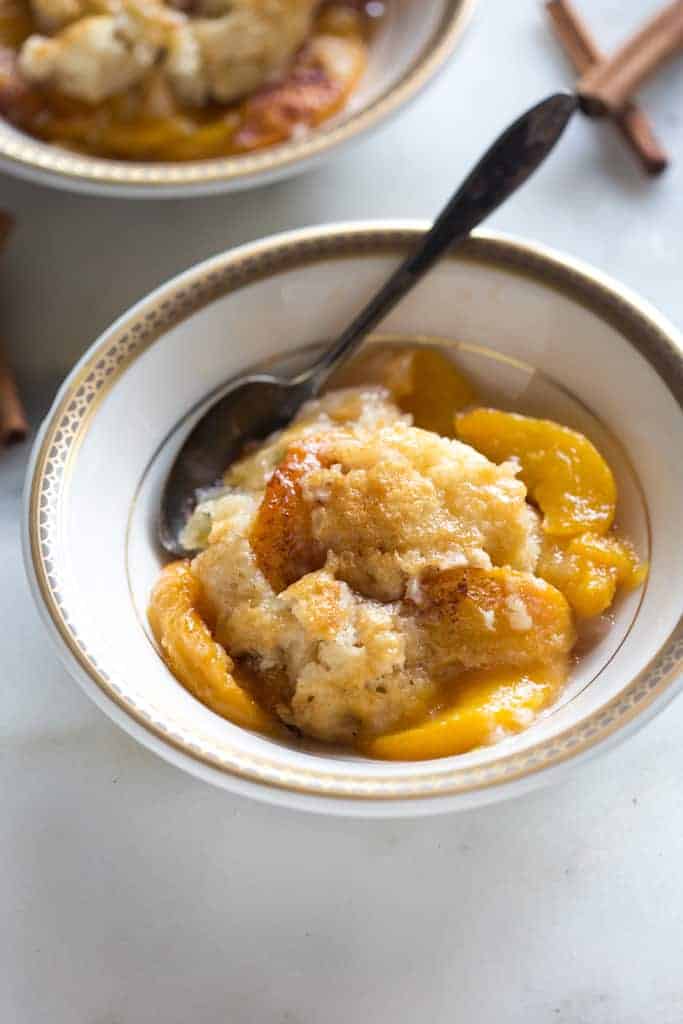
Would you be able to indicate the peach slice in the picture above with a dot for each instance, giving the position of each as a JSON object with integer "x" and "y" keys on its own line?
{"x": 564, "y": 473}
{"x": 589, "y": 568}
{"x": 438, "y": 390}
{"x": 321, "y": 80}
{"x": 423, "y": 382}
{"x": 486, "y": 702}
{"x": 194, "y": 657}
{"x": 379, "y": 365}
{"x": 480, "y": 618}
{"x": 281, "y": 536}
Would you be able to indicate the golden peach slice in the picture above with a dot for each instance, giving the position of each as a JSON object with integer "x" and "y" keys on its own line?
{"x": 281, "y": 536}
{"x": 194, "y": 657}
{"x": 589, "y": 568}
{"x": 565, "y": 474}
{"x": 320, "y": 82}
{"x": 486, "y": 703}
{"x": 480, "y": 618}
{"x": 438, "y": 391}
{"x": 380, "y": 365}
{"x": 212, "y": 139}
{"x": 422, "y": 381}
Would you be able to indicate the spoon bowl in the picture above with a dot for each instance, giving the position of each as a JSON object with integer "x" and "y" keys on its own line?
{"x": 251, "y": 410}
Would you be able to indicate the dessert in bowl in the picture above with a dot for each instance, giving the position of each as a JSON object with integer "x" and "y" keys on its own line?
{"x": 368, "y": 581}
{"x": 205, "y": 95}
{"x": 531, "y": 335}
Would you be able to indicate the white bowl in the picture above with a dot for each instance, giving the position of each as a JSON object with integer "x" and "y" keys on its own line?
{"x": 602, "y": 360}
{"x": 413, "y": 42}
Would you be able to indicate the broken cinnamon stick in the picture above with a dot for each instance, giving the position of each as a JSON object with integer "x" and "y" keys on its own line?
{"x": 13, "y": 422}
{"x": 584, "y": 53}
{"x": 6, "y": 223}
{"x": 607, "y": 87}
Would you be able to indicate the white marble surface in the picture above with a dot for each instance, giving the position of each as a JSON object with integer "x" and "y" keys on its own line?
{"x": 131, "y": 893}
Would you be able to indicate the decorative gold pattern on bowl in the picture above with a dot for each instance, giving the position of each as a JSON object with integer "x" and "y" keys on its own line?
{"x": 69, "y": 424}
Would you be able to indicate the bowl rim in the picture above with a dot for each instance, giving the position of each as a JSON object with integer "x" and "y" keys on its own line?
{"x": 25, "y": 156}
{"x": 146, "y": 323}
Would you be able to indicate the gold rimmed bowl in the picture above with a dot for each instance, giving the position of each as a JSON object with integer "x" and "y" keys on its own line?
{"x": 411, "y": 43}
{"x": 531, "y": 328}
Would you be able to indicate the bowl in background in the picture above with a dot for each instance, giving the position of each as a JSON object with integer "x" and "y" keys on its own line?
{"x": 412, "y": 42}
{"x": 531, "y": 328}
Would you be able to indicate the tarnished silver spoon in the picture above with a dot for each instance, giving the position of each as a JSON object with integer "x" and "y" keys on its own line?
{"x": 257, "y": 405}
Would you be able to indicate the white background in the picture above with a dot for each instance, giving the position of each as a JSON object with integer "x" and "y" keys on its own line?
{"x": 131, "y": 893}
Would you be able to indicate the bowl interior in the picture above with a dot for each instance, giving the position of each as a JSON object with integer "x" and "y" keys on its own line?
{"x": 409, "y": 42}
{"x": 532, "y": 334}
{"x": 499, "y": 381}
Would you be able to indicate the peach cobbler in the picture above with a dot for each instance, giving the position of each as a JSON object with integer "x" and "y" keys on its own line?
{"x": 178, "y": 79}
{"x": 400, "y": 570}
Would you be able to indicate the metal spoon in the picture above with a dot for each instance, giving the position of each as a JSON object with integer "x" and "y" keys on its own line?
{"x": 257, "y": 405}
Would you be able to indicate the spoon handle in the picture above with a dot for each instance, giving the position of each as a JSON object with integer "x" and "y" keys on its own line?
{"x": 512, "y": 158}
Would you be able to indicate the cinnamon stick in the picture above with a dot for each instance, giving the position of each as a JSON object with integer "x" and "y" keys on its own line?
{"x": 6, "y": 223}
{"x": 13, "y": 422}
{"x": 607, "y": 87}
{"x": 579, "y": 45}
